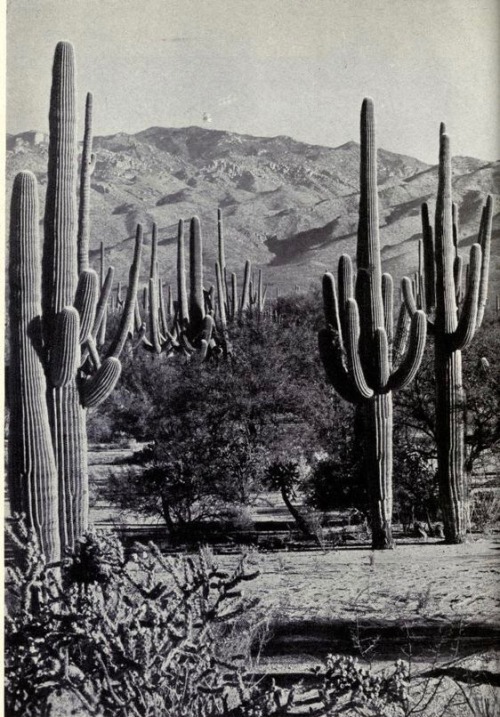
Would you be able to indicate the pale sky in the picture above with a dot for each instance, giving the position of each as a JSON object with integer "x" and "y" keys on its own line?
{"x": 269, "y": 67}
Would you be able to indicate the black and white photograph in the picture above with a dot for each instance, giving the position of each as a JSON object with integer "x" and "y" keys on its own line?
{"x": 252, "y": 358}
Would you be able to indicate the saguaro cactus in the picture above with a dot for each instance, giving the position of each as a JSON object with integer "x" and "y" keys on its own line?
{"x": 453, "y": 330}
{"x": 47, "y": 386}
{"x": 357, "y": 347}
{"x": 32, "y": 469}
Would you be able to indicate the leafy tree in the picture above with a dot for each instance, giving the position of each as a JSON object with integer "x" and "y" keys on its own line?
{"x": 416, "y": 450}
{"x": 415, "y": 415}
{"x": 214, "y": 427}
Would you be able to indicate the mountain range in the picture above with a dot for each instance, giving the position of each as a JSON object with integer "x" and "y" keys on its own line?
{"x": 289, "y": 207}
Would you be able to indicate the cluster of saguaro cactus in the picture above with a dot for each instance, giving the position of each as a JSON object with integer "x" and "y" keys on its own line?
{"x": 197, "y": 323}
{"x": 192, "y": 324}
{"x": 453, "y": 316}
{"x": 363, "y": 360}
{"x": 55, "y": 316}
{"x": 253, "y": 297}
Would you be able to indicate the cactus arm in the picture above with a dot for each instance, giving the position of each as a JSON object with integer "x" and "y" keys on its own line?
{"x": 381, "y": 360}
{"x": 331, "y": 355}
{"x": 86, "y": 169}
{"x": 222, "y": 309}
{"x": 221, "y": 303}
{"x": 85, "y": 302}
{"x": 101, "y": 337}
{"x": 222, "y": 254}
{"x": 466, "y": 327}
{"x": 163, "y": 313}
{"x": 457, "y": 278}
{"x": 260, "y": 293}
{"x": 345, "y": 278}
{"x": 245, "y": 296}
{"x": 234, "y": 296}
{"x": 408, "y": 297}
{"x": 207, "y": 328}
{"x": 388, "y": 298}
{"x": 454, "y": 214}
{"x": 126, "y": 321}
{"x": 485, "y": 241}
{"x": 32, "y": 473}
{"x": 352, "y": 349}
{"x": 153, "y": 271}
{"x": 97, "y": 388}
{"x": 154, "y": 329}
{"x": 331, "y": 305}
{"x": 137, "y": 320}
{"x": 91, "y": 351}
{"x": 410, "y": 363}
{"x": 170, "y": 303}
{"x": 103, "y": 301}
{"x": 401, "y": 335}
{"x": 65, "y": 357}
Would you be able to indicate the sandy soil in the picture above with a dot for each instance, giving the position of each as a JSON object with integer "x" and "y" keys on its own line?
{"x": 426, "y": 580}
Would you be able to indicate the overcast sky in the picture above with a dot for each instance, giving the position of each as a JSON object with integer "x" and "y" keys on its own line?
{"x": 269, "y": 67}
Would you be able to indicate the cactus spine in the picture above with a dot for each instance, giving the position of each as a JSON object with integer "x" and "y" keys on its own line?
{"x": 356, "y": 346}
{"x": 46, "y": 364}
{"x": 453, "y": 331}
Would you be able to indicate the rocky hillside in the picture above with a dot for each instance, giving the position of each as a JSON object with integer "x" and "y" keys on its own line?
{"x": 290, "y": 207}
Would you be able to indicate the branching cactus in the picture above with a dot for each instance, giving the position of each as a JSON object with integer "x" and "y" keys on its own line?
{"x": 358, "y": 349}
{"x": 454, "y": 328}
{"x": 56, "y": 372}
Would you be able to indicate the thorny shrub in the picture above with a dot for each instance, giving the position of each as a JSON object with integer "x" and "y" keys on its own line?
{"x": 154, "y": 636}
{"x": 135, "y": 636}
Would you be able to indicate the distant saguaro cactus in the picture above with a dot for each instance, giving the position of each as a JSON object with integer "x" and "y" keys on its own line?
{"x": 453, "y": 328}
{"x": 357, "y": 347}
{"x": 56, "y": 372}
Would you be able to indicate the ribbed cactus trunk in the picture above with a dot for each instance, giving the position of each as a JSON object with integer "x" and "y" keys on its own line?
{"x": 32, "y": 472}
{"x": 450, "y": 424}
{"x": 196, "y": 297}
{"x": 453, "y": 316}
{"x": 182, "y": 299}
{"x": 379, "y": 467}
{"x": 450, "y": 397}
{"x": 358, "y": 347}
{"x": 48, "y": 475}
{"x": 378, "y": 410}
{"x": 66, "y": 414}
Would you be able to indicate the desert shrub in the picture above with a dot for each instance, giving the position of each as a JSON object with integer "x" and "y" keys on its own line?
{"x": 414, "y": 419}
{"x": 341, "y": 686}
{"x": 335, "y": 485}
{"x": 129, "y": 636}
{"x": 214, "y": 427}
{"x": 415, "y": 488}
{"x": 485, "y": 511}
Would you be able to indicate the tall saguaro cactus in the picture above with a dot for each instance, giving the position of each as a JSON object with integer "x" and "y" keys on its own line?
{"x": 454, "y": 328}
{"x": 54, "y": 319}
{"x": 357, "y": 348}
{"x": 32, "y": 469}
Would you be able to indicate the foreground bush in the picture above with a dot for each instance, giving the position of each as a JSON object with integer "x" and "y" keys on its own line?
{"x": 139, "y": 636}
